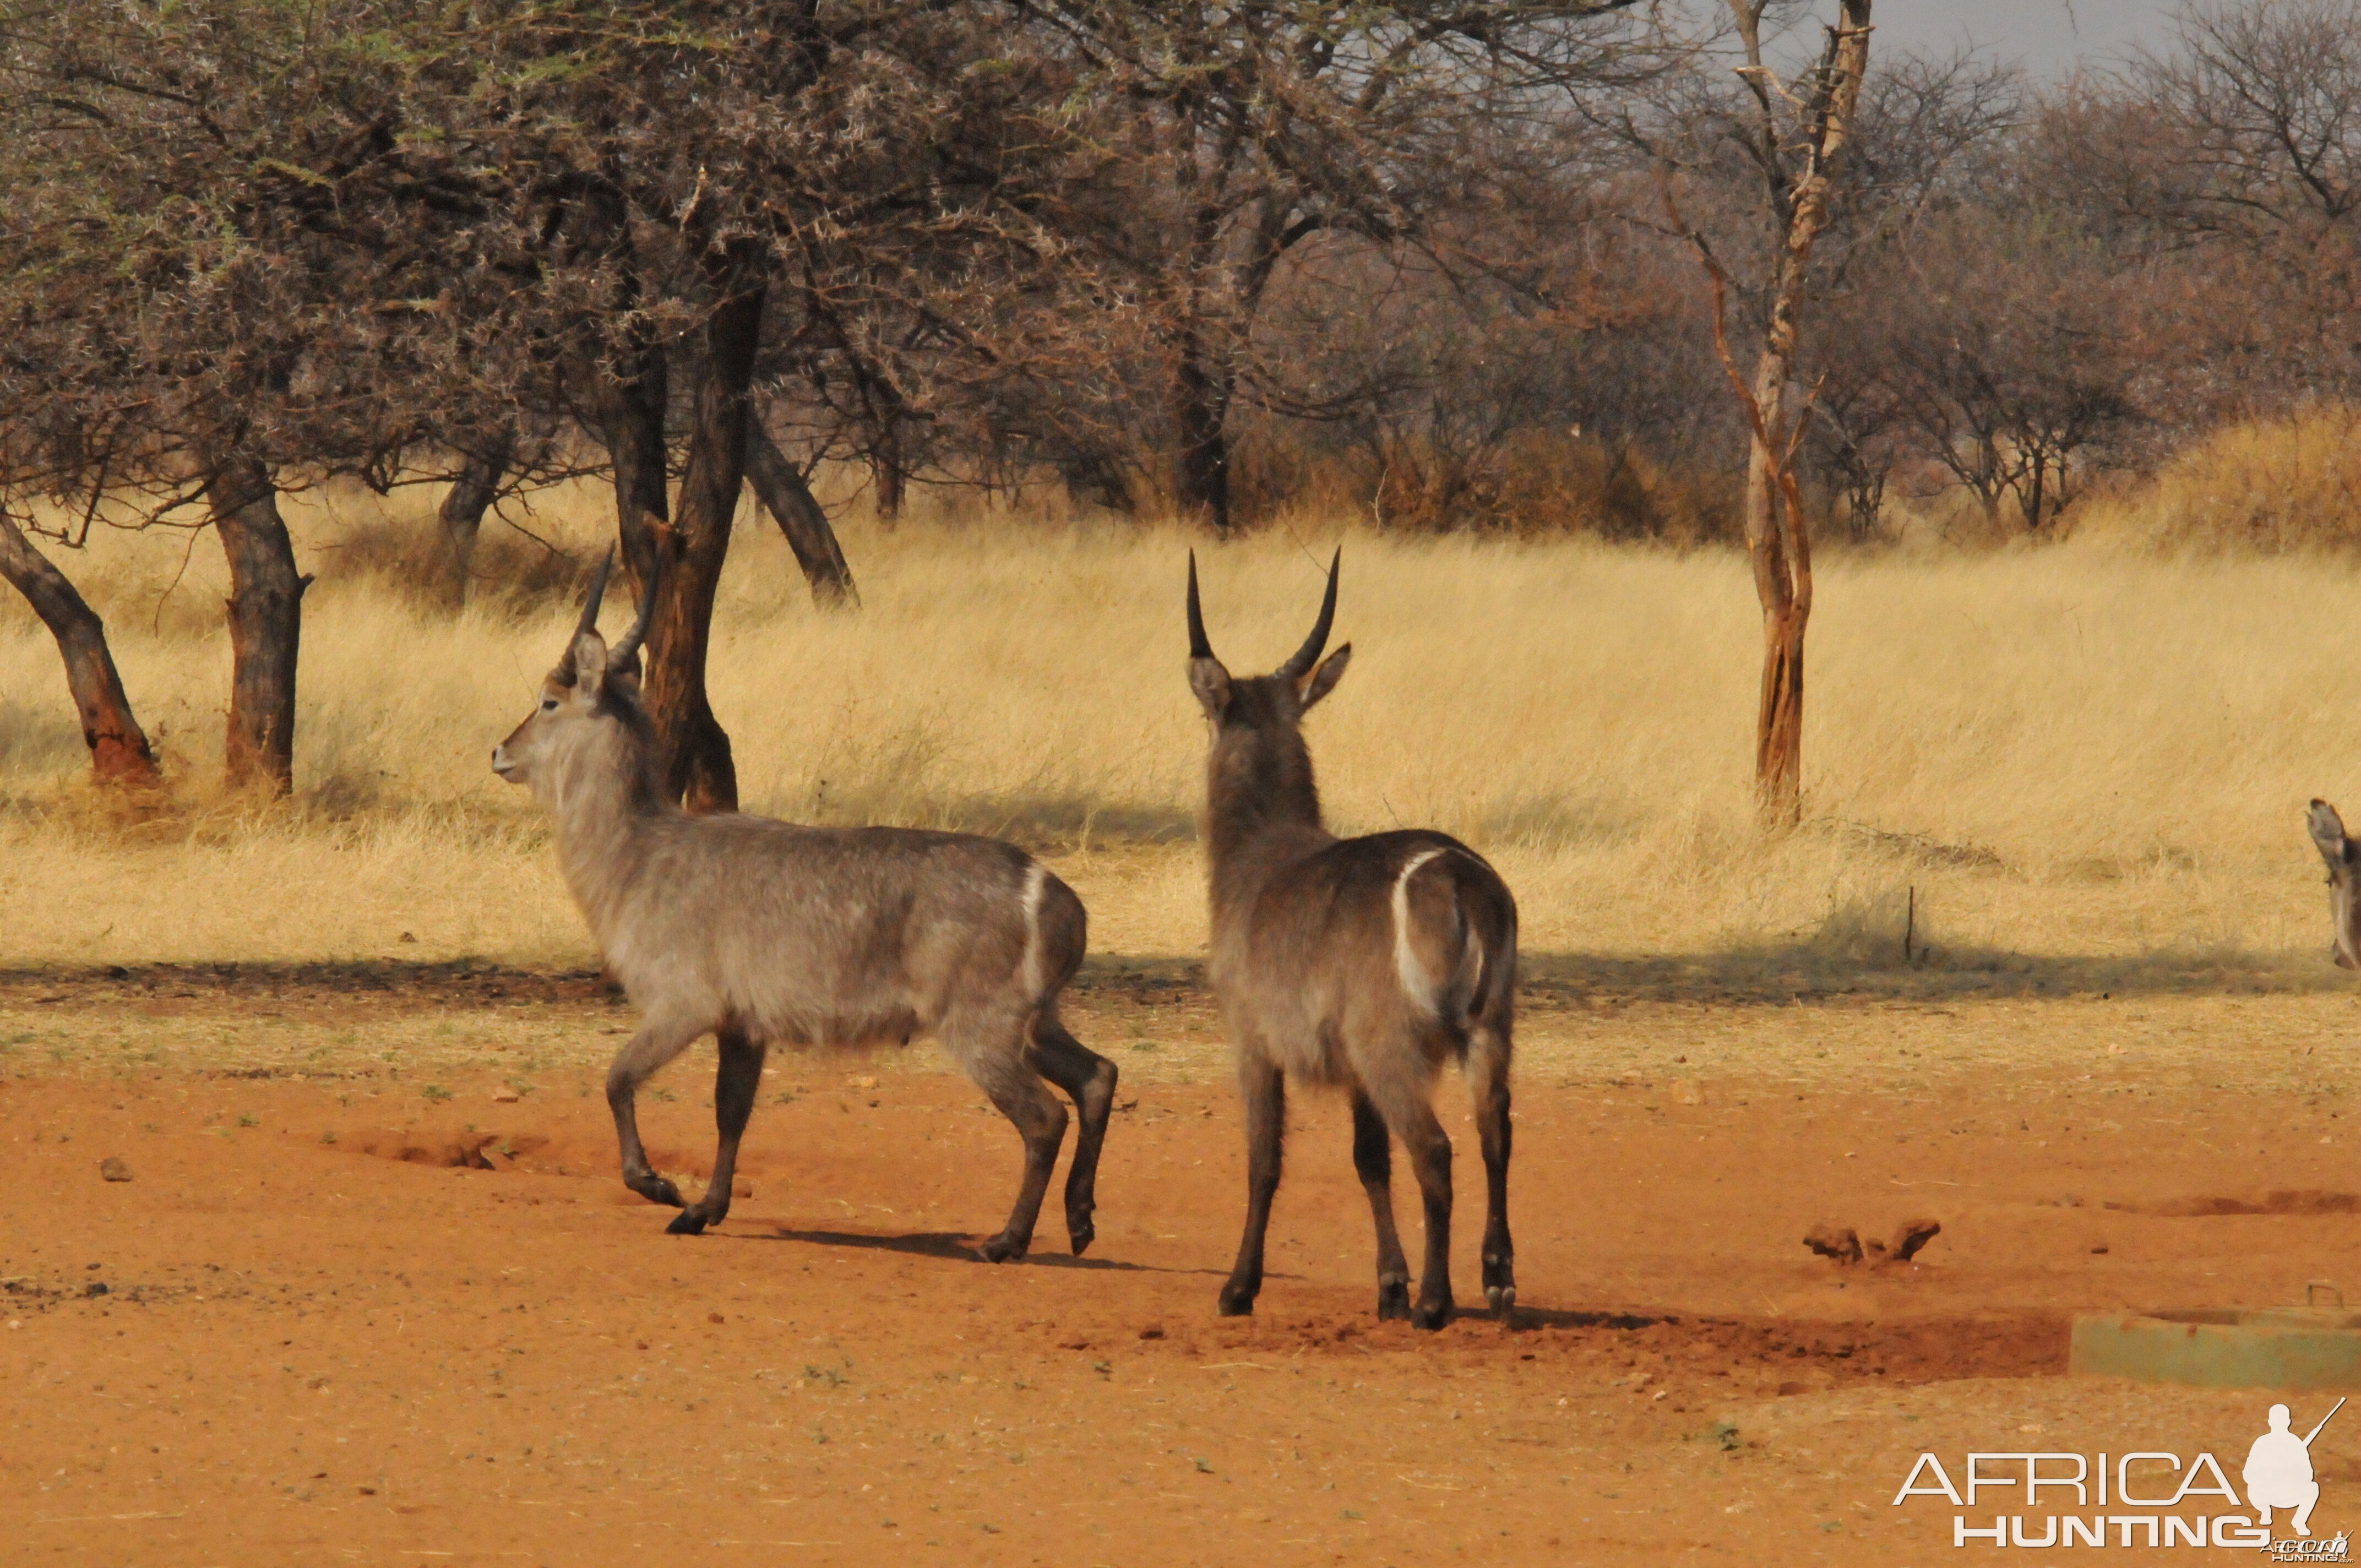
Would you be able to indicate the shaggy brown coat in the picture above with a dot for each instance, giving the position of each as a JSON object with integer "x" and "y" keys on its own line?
{"x": 1364, "y": 963}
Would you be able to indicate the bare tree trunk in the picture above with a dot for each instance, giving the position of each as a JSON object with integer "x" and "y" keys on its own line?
{"x": 631, "y": 413}
{"x": 1200, "y": 405}
{"x": 700, "y": 768}
{"x": 462, "y": 516}
{"x": 265, "y": 623}
{"x": 1778, "y": 543}
{"x": 119, "y": 747}
{"x": 1779, "y": 720}
{"x": 886, "y": 465}
{"x": 1778, "y": 533}
{"x": 779, "y": 486}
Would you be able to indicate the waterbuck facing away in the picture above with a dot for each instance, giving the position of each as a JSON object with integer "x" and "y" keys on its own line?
{"x": 760, "y": 933}
{"x": 1366, "y": 963}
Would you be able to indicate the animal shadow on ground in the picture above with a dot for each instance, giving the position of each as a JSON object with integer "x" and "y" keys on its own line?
{"x": 957, "y": 1246}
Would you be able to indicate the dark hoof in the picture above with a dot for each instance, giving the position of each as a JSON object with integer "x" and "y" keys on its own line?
{"x": 1082, "y": 1236}
{"x": 1503, "y": 1302}
{"x": 655, "y": 1190}
{"x": 1430, "y": 1315}
{"x": 1236, "y": 1303}
{"x": 688, "y": 1222}
{"x": 1393, "y": 1301}
{"x": 1000, "y": 1249}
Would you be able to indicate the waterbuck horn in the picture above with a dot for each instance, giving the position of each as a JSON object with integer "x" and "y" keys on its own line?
{"x": 590, "y": 621}
{"x": 625, "y": 655}
{"x": 1197, "y": 647}
{"x": 1295, "y": 669}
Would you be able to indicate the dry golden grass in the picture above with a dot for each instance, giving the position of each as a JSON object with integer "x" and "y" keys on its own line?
{"x": 2084, "y": 761}
{"x": 2269, "y": 484}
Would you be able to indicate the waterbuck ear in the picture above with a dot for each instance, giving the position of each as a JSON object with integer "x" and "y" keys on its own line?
{"x": 588, "y": 655}
{"x": 1212, "y": 685}
{"x": 1323, "y": 679}
{"x": 2328, "y": 834}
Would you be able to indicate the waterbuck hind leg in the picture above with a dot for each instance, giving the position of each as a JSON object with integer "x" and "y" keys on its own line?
{"x": 1487, "y": 1086}
{"x": 1372, "y": 1158}
{"x": 992, "y": 1053}
{"x": 735, "y": 1083}
{"x": 1263, "y": 1089}
{"x": 1089, "y": 1080}
{"x": 659, "y": 1040}
{"x": 1412, "y": 1119}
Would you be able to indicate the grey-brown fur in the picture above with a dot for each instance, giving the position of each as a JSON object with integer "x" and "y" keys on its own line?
{"x": 2343, "y": 857}
{"x": 765, "y": 933}
{"x": 1363, "y": 963}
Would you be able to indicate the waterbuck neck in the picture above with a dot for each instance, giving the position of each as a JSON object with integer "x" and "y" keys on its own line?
{"x": 1262, "y": 806}
{"x": 603, "y": 797}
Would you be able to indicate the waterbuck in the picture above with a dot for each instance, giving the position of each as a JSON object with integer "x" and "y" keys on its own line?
{"x": 2343, "y": 857}
{"x": 763, "y": 933}
{"x": 1366, "y": 963}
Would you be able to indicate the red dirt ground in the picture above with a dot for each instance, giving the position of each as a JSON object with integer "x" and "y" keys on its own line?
{"x": 319, "y": 1340}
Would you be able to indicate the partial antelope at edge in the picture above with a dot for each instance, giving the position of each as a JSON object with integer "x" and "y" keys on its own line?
{"x": 1366, "y": 964}
{"x": 2343, "y": 857}
{"x": 763, "y": 933}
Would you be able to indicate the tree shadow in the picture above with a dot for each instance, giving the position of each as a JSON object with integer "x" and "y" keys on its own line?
{"x": 1778, "y": 974}
{"x": 1767, "y": 974}
{"x": 1773, "y": 975}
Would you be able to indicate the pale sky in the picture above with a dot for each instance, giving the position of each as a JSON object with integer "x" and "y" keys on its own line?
{"x": 2045, "y": 37}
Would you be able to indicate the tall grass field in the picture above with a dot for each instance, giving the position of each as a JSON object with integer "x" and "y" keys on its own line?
{"x": 2086, "y": 751}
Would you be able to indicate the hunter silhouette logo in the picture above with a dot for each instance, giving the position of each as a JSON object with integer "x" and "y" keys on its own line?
{"x": 2145, "y": 1498}
{"x": 2278, "y": 1471}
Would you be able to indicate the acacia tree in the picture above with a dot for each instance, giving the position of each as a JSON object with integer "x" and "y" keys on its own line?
{"x": 2010, "y": 345}
{"x": 1792, "y": 135}
{"x": 226, "y": 267}
{"x": 2230, "y": 159}
{"x": 804, "y": 192}
{"x": 1234, "y": 134}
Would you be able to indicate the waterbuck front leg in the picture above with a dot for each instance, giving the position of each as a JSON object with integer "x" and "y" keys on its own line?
{"x": 1089, "y": 1078}
{"x": 1372, "y": 1158}
{"x": 1488, "y": 1085}
{"x": 1263, "y": 1089}
{"x": 735, "y": 1084}
{"x": 662, "y": 1038}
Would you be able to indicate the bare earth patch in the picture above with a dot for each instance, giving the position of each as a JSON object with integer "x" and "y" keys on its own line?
{"x": 373, "y": 1286}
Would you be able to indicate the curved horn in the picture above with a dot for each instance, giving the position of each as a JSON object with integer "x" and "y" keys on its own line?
{"x": 626, "y": 649}
{"x": 1296, "y": 668}
{"x": 590, "y": 621}
{"x": 1197, "y": 647}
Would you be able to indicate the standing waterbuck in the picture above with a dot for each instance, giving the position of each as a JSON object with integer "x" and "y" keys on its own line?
{"x": 760, "y": 933}
{"x": 1366, "y": 963}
